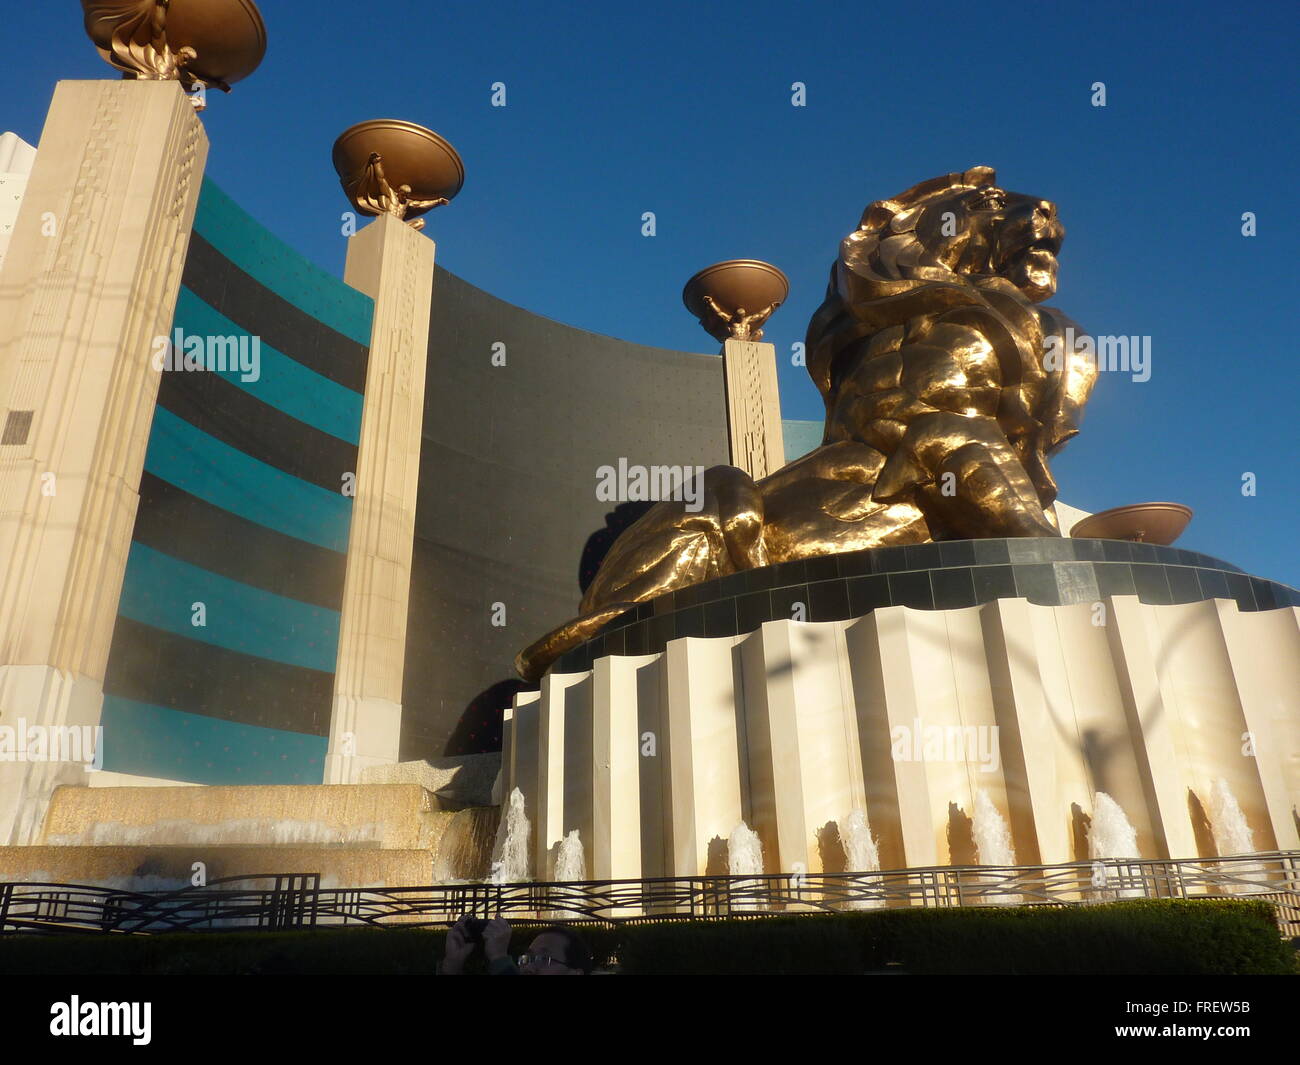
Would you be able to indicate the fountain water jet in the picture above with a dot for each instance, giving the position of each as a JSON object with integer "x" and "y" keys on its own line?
{"x": 510, "y": 855}
{"x": 570, "y": 859}
{"x": 744, "y": 855}
{"x": 993, "y": 844}
{"x": 992, "y": 835}
{"x": 570, "y": 865}
{"x": 1232, "y": 834}
{"x": 861, "y": 855}
{"x": 1111, "y": 835}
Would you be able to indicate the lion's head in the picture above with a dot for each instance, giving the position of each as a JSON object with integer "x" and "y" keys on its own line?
{"x": 942, "y": 243}
{"x": 962, "y": 224}
{"x": 933, "y": 307}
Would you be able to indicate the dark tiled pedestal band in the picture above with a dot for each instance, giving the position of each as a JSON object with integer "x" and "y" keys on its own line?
{"x": 1046, "y": 571}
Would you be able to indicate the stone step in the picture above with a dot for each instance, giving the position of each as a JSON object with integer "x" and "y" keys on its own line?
{"x": 463, "y": 780}
{"x": 358, "y": 816}
{"x": 171, "y": 868}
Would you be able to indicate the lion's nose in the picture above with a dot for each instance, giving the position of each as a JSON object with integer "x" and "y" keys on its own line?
{"x": 1047, "y": 209}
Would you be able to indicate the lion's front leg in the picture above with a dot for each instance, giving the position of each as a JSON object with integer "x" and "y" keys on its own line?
{"x": 965, "y": 469}
{"x": 673, "y": 546}
{"x": 670, "y": 547}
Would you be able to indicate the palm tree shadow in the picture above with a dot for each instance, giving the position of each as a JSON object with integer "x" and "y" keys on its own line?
{"x": 961, "y": 837}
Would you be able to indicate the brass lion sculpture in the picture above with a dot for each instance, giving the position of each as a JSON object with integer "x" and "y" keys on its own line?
{"x": 947, "y": 387}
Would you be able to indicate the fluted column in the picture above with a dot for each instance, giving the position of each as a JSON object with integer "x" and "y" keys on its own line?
{"x": 704, "y": 751}
{"x": 1264, "y": 655}
{"x": 753, "y": 407}
{"x": 617, "y": 751}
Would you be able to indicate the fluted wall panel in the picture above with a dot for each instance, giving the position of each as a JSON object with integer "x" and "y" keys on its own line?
{"x": 909, "y": 715}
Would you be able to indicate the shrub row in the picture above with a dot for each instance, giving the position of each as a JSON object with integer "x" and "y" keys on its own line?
{"x": 1146, "y": 936}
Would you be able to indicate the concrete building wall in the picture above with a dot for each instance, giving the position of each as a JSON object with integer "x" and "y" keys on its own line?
{"x": 507, "y": 499}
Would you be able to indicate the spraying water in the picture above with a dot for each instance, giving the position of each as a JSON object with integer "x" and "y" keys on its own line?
{"x": 993, "y": 844}
{"x": 1111, "y": 835}
{"x": 744, "y": 855}
{"x": 744, "y": 850}
{"x": 570, "y": 860}
{"x": 570, "y": 864}
{"x": 860, "y": 850}
{"x": 510, "y": 855}
{"x": 861, "y": 855}
{"x": 1232, "y": 835}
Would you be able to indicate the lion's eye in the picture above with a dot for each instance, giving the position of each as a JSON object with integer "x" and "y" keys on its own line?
{"x": 990, "y": 200}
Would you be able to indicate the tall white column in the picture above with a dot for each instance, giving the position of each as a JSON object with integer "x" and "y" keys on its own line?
{"x": 91, "y": 277}
{"x": 392, "y": 263}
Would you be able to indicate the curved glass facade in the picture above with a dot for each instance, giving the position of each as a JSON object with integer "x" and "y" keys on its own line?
{"x": 222, "y": 664}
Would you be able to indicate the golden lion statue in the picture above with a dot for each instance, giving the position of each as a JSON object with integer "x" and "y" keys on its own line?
{"x": 946, "y": 389}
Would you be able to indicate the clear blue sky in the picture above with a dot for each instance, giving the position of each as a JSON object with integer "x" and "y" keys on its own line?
{"x": 684, "y": 110}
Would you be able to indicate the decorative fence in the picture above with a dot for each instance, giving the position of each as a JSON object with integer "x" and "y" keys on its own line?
{"x": 296, "y": 901}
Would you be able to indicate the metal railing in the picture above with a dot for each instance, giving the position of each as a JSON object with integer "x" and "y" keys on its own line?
{"x": 287, "y": 901}
{"x": 295, "y": 901}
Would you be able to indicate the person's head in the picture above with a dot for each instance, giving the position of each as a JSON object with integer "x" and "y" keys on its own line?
{"x": 557, "y": 951}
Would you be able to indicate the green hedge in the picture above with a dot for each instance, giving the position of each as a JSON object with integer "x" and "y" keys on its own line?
{"x": 1167, "y": 936}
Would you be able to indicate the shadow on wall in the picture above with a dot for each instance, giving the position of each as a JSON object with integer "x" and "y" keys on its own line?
{"x": 830, "y": 848}
{"x": 479, "y": 729}
{"x": 961, "y": 837}
{"x": 599, "y": 542}
{"x": 1201, "y": 828}
{"x": 1080, "y": 826}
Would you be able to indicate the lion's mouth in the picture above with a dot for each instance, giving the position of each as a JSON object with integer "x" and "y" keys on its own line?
{"x": 1051, "y": 243}
{"x": 1034, "y": 249}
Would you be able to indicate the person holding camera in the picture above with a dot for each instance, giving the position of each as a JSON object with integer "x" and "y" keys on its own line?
{"x": 555, "y": 951}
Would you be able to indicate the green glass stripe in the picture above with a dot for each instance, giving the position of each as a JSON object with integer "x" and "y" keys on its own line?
{"x": 167, "y": 593}
{"x": 206, "y": 467}
{"x": 155, "y": 741}
{"x": 274, "y": 378}
{"x": 267, "y": 259}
